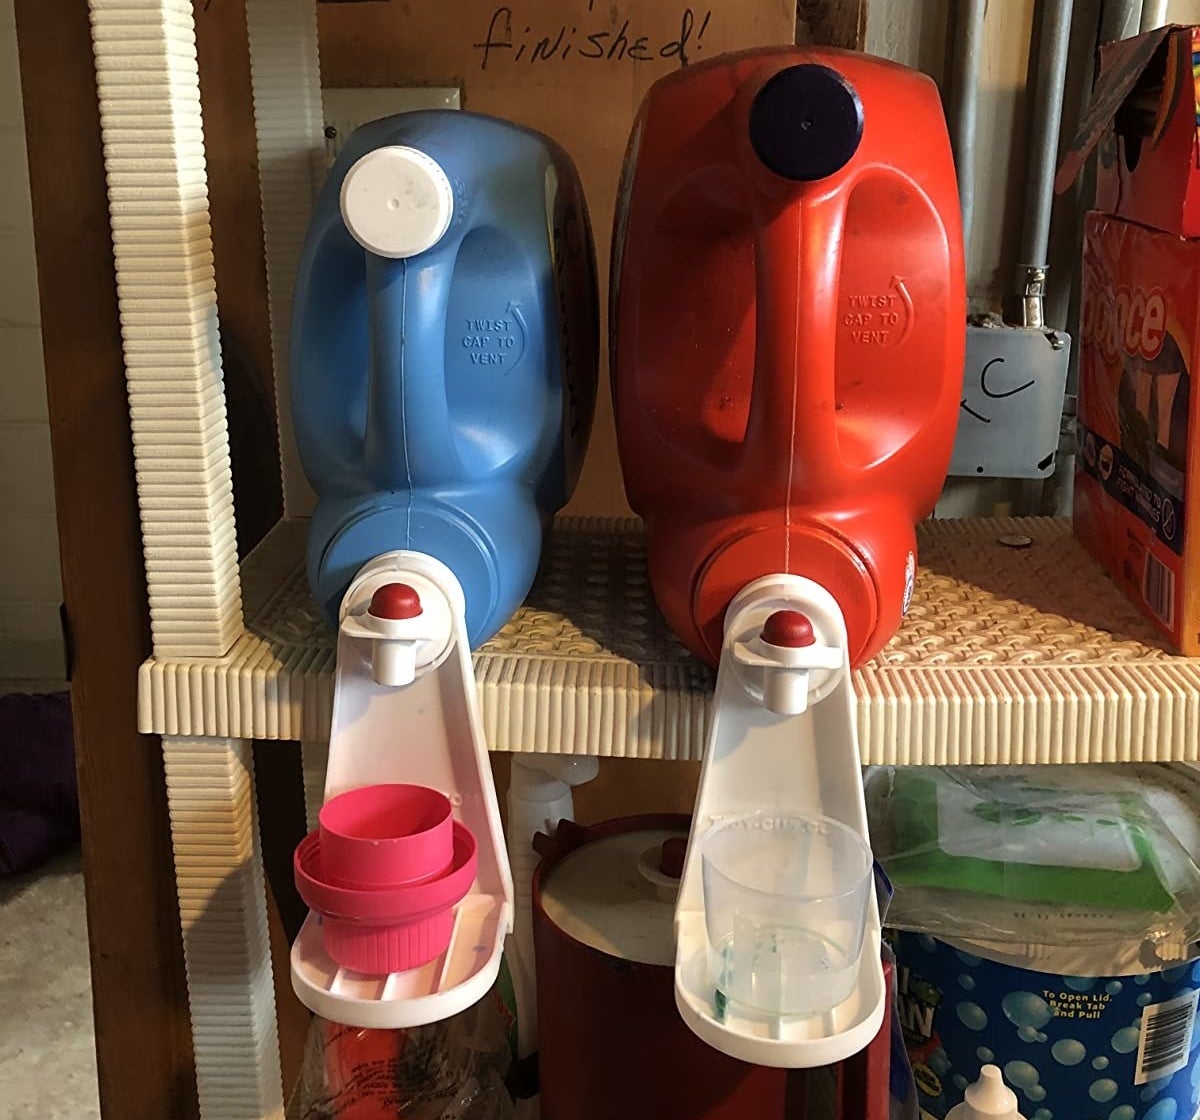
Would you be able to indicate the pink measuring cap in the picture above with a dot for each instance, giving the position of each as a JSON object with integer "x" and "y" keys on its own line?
{"x": 385, "y": 870}
{"x": 386, "y": 836}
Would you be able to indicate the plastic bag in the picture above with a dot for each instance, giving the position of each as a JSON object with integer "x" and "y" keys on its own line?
{"x": 1062, "y": 856}
{"x": 452, "y": 1070}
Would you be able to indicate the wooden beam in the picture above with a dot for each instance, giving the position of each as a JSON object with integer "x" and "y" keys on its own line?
{"x": 143, "y": 1041}
{"x": 832, "y": 23}
{"x": 231, "y": 152}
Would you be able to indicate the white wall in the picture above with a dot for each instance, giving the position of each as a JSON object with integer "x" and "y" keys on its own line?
{"x": 1183, "y": 11}
{"x": 30, "y": 589}
{"x": 914, "y": 32}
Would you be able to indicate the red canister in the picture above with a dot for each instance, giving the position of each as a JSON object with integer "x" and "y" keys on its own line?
{"x": 788, "y": 302}
{"x": 611, "y": 1041}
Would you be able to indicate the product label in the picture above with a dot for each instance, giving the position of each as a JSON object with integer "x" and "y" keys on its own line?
{"x": 1131, "y": 484}
{"x": 910, "y": 581}
{"x": 1070, "y": 1047}
{"x": 1127, "y": 322}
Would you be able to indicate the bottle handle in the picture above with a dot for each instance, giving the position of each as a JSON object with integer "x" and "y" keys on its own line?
{"x": 407, "y": 407}
{"x": 327, "y": 428}
{"x": 798, "y": 262}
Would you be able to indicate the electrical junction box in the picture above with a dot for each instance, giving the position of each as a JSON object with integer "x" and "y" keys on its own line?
{"x": 1014, "y": 381}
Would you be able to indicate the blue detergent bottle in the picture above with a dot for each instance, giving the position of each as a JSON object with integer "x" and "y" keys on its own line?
{"x": 444, "y": 353}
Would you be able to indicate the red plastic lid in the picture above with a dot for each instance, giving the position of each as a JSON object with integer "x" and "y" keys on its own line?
{"x": 395, "y": 601}
{"x": 788, "y": 630}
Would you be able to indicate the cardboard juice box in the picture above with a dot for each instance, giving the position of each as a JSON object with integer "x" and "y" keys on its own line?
{"x": 1137, "y": 478}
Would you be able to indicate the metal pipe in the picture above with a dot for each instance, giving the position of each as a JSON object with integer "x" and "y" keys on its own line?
{"x": 1045, "y": 124}
{"x": 1154, "y": 14}
{"x": 966, "y": 60}
{"x": 1119, "y": 19}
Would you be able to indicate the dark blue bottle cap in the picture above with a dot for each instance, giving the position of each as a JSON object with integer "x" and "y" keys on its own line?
{"x": 806, "y": 122}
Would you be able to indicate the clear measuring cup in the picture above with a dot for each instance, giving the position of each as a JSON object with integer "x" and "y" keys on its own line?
{"x": 785, "y": 902}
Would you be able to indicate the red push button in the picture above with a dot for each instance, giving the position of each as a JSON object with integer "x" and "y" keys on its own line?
{"x": 788, "y": 630}
{"x": 395, "y": 601}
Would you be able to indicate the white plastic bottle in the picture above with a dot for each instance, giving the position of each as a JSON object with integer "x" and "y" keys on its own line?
{"x": 988, "y": 1099}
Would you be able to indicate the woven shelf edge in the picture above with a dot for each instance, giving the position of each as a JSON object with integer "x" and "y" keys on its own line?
{"x": 941, "y": 715}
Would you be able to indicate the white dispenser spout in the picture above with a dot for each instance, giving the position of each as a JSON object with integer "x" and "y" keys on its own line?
{"x": 777, "y": 927}
{"x": 409, "y": 625}
{"x": 791, "y": 657}
{"x": 405, "y": 711}
{"x": 394, "y": 663}
{"x": 988, "y": 1099}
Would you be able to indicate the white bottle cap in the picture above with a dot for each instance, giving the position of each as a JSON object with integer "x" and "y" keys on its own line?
{"x": 988, "y": 1099}
{"x": 397, "y": 202}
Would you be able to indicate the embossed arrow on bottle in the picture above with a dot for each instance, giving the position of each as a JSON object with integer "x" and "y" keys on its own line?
{"x": 514, "y": 312}
{"x": 909, "y": 309}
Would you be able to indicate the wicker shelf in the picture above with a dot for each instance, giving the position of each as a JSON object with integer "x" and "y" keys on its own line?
{"x": 1009, "y": 654}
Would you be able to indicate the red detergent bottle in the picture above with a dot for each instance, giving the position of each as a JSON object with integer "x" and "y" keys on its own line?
{"x": 787, "y": 305}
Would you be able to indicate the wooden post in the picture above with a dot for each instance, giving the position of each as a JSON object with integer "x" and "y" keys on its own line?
{"x": 143, "y": 1040}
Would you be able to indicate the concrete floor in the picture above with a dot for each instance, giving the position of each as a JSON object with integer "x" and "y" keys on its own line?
{"x": 47, "y": 1044}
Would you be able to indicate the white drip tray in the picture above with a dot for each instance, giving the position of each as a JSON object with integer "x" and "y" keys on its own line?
{"x": 456, "y": 980}
{"x": 788, "y": 1041}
